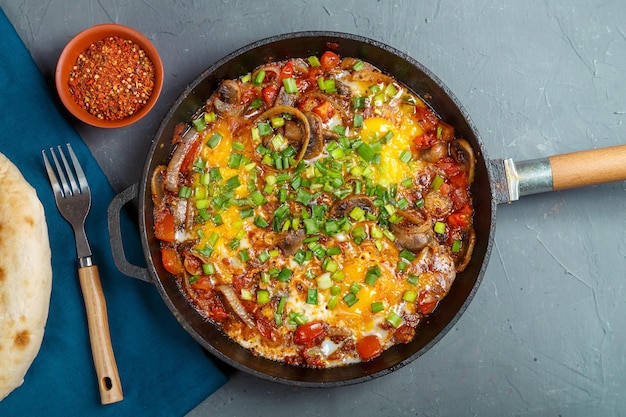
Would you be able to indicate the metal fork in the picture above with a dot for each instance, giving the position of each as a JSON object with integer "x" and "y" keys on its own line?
{"x": 73, "y": 199}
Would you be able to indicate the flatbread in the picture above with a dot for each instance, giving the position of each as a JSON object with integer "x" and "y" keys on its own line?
{"x": 25, "y": 276}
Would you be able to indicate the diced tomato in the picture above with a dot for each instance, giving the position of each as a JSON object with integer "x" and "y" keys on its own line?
{"x": 190, "y": 157}
{"x": 164, "y": 228}
{"x": 325, "y": 110}
{"x": 369, "y": 347}
{"x": 447, "y": 132}
{"x": 425, "y": 140}
{"x": 445, "y": 188}
{"x": 449, "y": 166}
{"x": 215, "y": 308}
{"x": 329, "y": 60}
{"x": 458, "y": 180}
{"x": 426, "y": 302}
{"x": 171, "y": 261}
{"x": 269, "y": 94}
{"x": 428, "y": 120}
{"x": 286, "y": 71}
{"x": 203, "y": 283}
{"x": 461, "y": 218}
{"x": 266, "y": 328}
{"x": 310, "y": 333}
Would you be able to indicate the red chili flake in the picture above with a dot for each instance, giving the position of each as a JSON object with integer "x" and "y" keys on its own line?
{"x": 112, "y": 79}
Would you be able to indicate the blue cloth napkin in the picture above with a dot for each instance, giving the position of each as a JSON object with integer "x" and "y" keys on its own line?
{"x": 164, "y": 372}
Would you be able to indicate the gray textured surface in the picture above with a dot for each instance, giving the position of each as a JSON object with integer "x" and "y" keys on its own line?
{"x": 545, "y": 334}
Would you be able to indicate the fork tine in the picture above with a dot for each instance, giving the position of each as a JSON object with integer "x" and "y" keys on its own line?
{"x": 56, "y": 187}
{"x": 61, "y": 174}
{"x": 82, "y": 179}
{"x": 68, "y": 171}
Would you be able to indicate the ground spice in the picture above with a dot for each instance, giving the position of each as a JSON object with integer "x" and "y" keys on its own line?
{"x": 112, "y": 79}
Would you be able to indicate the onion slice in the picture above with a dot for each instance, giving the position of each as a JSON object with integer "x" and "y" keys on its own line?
{"x": 235, "y": 304}
{"x": 176, "y": 163}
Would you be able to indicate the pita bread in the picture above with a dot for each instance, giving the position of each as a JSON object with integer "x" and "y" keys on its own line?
{"x": 25, "y": 276}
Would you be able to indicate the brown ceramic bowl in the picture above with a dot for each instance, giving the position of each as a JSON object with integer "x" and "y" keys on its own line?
{"x": 79, "y": 44}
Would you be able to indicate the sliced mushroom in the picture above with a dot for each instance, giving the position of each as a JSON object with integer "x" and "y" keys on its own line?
{"x": 316, "y": 137}
{"x": 291, "y": 241}
{"x": 283, "y": 98}
{"x": 435, "y": 152}
{"x": 343, "y": 207}
{"x": 228, "y": 99}
{"x": 438, "y": 204}
{"x": 296, "y": 130}
{"x": 412, "y": 232}
{"x": 462, "y": 152}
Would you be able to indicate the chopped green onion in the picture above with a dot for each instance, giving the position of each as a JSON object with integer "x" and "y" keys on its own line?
{"x": 357, "y": 213}
{"x": 391, "y": 90}
{"x": 257, "y": 198}
{"x": 314, "y": 61}
{"x": 279, "y": 311}
{"x": 358, "y": 102}
{"x": 234, "y": 160}
{"x": 377, "y": 307}
{"x": 440, "y": 228}
{"x": 408, "y": 255}
{"x": 439, "y": 131}
{"x": 332, "y": 302}
{"x": 412, "y": 279}
{"x": 264, "y": 128}
{"x": 456, "y": 246}
{"x": 259, "y": 77}
{"x": 394, "y": 319}
{"x": 366, "y": 152}
{"x": 311, "y": 296}
{"x": 262, "y": 296}
{"x": 285, "y": 274}
{"x": 290, "y": 85}
{"x": 199, "y": 123}
{"x": 244, "y": 255}
{"x": 355, "y": 288}
{"x": 214, "y": 140}
{"x": 358, "y": 120}
{"x": 245, "y": 213}
{"x": 233, "y": 182}
{"x": 335, "y": 250}
{"x": 256, "y": 103}
{"x": 437, "y": 183}
{"x": 350, "y": 299}
{"x": 263, "y": 256}
{"x": 311, "y": 226}
{"x": 299, "y": 257}
{"x": 260, "y": 222}
{"x": 358, "y": 66}
{"x": 405, "y": 156}
{"x": 372, "y": 275}
{"x": 208, "y": 269}
{"x": 184, "y": 191}
{"x": 409, "y": 296}
{"x": 210, "y": 117}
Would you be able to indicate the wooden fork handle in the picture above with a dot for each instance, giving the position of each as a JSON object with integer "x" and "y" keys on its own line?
{"x": 98, "y": 323}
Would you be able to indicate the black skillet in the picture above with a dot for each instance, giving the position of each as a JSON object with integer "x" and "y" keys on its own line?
{"x": 496, "y": 181}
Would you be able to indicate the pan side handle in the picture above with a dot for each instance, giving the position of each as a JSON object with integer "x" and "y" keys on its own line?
{"x": 560, "y": 172}
{"x": 115, "y": 235}
{"x": 591, "y": 167}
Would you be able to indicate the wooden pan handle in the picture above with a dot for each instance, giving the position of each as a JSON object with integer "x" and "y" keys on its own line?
{"x": 101, "y": 348}
{"x": 579, "y": 169}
